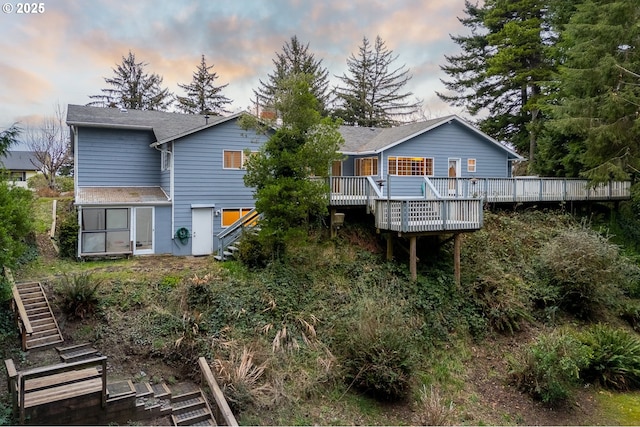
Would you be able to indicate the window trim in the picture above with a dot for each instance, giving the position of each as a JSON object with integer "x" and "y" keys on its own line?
{"x": 243, "y": 159}
{"x": 166, "y": 160}
{"x": 242, "y": 211}
{"x": 428, "y": 163}
{"x": 473, "y": 168}
{"x": 359, "y": 165}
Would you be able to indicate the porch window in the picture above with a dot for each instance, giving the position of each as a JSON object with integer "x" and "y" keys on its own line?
{"x": 105, "y": 230}
{"x": 229, "y": 216}
{"x": 18, "y": 176}
{"x": 471, "y": 165}
{"x": 367, "y": 166}
{"x": 410, "y": 166}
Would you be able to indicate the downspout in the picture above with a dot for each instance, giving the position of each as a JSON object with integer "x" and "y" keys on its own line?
{"x": 74, "y": 133}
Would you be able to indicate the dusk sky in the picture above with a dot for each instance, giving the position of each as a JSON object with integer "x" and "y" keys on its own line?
{"x": 62, "y": 55}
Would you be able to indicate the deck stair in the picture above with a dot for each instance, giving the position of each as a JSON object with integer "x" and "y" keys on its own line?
{"x": 229, "y": 237}
{"x": 36, "y": 321}
{"x": 190, "y": 408}
{"x": 74, "y": 353}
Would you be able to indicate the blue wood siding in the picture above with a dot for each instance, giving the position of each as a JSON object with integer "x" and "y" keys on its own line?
{"x": 454, "y": 141}
{"x": 163, "y": 241}
{"x": 199, "y": 177}
{"x": 117, "y": 157}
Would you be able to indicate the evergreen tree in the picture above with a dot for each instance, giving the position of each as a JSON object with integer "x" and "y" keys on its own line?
{"x": 506, "y": 67}
{"x": 294, "y": 59}
{"x": 597, "y": 108}
{"x": 303, "y": 146}
{"x": 203, "y": 96}
{"x": 131, "y": 87}
{"x": 371, "y": 95}
{"x": 8, "y": 137}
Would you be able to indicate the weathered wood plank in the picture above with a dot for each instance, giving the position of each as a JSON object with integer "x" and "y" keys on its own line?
{"x": 60, "y": 379}
{"x": 67, "y": 391}
{"x": 222, "y": 411}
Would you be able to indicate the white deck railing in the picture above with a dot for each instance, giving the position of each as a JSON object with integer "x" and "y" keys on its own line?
{"x": 414, "y": 204}
{"x": 419, "y": 215}
{"x": 501, "y": 190}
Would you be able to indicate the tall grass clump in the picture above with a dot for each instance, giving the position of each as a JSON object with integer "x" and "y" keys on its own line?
{"x": 582, "y": 271}
{"x": 549, "y": 369}
{"x": 615, "y": 358}
{"x": 79, "y": 295}
{"x": 376, "y": 346}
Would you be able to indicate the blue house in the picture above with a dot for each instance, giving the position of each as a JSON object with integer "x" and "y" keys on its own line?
{"x": 150, "y": 182}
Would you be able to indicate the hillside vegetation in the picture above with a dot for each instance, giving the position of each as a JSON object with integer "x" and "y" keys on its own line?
{"x": 335, "y": 335}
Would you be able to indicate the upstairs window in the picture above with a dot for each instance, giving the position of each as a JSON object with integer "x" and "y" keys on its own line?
{"x": 410, "y": 166}
{"x": 235, "y": 159}
{"x": 165, "y": 160}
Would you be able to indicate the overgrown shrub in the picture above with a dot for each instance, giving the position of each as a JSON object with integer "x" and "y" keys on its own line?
{"x": 16, "y": 222}
{"x": 67, "y": 232}
{"x": 79, "y": 295}
{"x": 615, "y": 357}
{"x": 585, "y": 269}
{"x": 549, "y": 369}
{"x": 376, "y": 347}
{"x": 252, "y": 251}
{"x": 243, "y": 381}
{"x": 200, "y": 292}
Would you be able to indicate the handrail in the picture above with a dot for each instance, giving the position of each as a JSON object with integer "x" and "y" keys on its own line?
{"x": 430, "y": 186}
{"x": 44, "y": 371}
{"x": 223, "y": 414}
{"x": 242, "y": 221}
{"x": 23, "y": 319}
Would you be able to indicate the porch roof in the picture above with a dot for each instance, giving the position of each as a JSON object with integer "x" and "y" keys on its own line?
{"x": 121, "y": 196}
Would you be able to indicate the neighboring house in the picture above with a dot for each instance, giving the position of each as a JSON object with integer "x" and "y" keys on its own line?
{"x": 21, "y": 166}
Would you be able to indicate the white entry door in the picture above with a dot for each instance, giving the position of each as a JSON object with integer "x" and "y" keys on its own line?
{"x": 202, "y": 233}
{"x": 142, "y": 230}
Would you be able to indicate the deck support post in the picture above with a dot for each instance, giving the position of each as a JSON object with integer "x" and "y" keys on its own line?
{"x": 413, "y": 259}
{"x": 457, "y": 244}
{"x": 389, "y": 246}
{"x": 332, "y": 215}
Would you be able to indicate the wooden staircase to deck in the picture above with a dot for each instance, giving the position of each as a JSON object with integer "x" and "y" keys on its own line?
{"x": 37, "y": 323}
{"x": 191, "y": 408}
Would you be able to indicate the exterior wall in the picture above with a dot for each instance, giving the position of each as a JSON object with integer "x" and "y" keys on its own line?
{"x": 454, "y": 141}
{"x": 116, "y": 157}
{"x": 199, "y": 177}
{"x": 163, "y": 236}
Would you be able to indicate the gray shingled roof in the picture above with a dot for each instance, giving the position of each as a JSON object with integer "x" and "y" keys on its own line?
{"x": 20, "y": 161}
{"x": 363, "y": 140}
{"x": 169, "y": 126}
{"x": 164, "y": 125}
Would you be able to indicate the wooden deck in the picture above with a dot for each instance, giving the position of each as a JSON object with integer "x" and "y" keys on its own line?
{"x": 426, "y": 204}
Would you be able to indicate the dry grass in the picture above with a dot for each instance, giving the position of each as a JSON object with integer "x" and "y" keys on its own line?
{"x": 432, "y": 408}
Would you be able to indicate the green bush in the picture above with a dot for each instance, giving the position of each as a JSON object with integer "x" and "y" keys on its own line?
{"x": 549, "y": 369}
{"x": 587, "y": 271}
{"x": 252, "y": 251}
{"x": 67, "y": 233}
{"x": 615, "y": 359}
{"x": 16, "y": 223}
{"x": 375, "y": 341}
{"x": 79, "y": 295}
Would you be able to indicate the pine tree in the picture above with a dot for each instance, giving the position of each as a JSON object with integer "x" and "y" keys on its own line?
{"x": 203, "y": 96}
{"x": 294, "y": 59}
{"x": 505, "y": 67}
{"x": 134, "y": 89}
{"x": 8, "y": 137}
{"x": 372, "y": 93}
{"x": 599, "y": 103}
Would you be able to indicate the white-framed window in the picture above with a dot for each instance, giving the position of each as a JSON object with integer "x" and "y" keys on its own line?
{"x": 367, "y": 166}
{"x": 410, "y": 166}
{"x": 235, "y": 159}
{"x": 105, "y": 230}
{"x": 471, "y": 165}
{"x": 165, "y": 160}
{"x": 229, "y": 216}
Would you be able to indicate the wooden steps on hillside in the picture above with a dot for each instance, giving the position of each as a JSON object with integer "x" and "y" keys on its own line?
{"x": 74, "y": 353}
{"x": 190, "y": 408}
{"x": 42, "y": 330}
